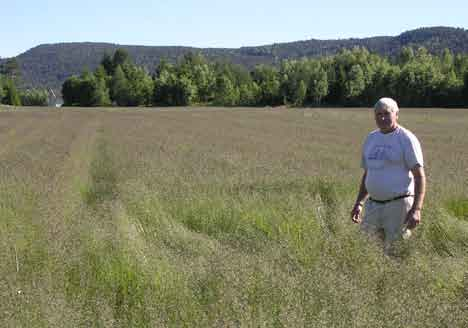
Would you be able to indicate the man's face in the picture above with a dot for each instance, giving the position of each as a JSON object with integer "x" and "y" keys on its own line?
{"x": 385, "y": 119}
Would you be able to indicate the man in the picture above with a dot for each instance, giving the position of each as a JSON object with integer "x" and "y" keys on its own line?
{"x": 393, "y": 177}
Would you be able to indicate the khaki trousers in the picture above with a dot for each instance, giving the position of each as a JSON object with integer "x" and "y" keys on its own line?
{"x": 389, "y": 217}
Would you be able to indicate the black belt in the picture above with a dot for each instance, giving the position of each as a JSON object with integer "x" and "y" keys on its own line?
{"x": 389, "y": 200}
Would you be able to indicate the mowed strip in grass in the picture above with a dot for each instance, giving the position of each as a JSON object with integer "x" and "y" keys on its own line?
{"x": 212, "y": 217}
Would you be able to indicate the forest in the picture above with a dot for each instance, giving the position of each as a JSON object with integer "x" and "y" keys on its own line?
{"x": 356, "y": 77}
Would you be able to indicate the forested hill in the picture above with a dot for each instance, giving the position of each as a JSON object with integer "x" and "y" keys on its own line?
{"x": 49, "y": 65}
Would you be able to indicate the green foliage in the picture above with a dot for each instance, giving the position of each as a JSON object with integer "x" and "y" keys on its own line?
{"x": 354, "y": 84}
{"x": 420, "y": 76}
{"x": 204, "y": 78}
{"x": 300, "y": 94}
{"x": 226, "y": 93}
{"x": 2, "y": 91}
{"x": 11, "y": 69}
{"x": 406, "y": 55}
{"x": 267, "y": 79}
{"x": 34, "y": 97}
{"x": 184, "y": 91}
{"x": 115, "y": 80}
{"x": 318, "y": 85}
{"x": 173, "y": 85}
{"x": 101, "y": 92}
{"x": 295, "y": 76}
{"x": 249, "y": 93}
{"x": 108, "y": 64}
{"x": 120, "y": 57}
{"x": 352, "y": 77}
{"x": 465, "y": 88}
{"x": 131, "y": 86}
{"x": 9, "y": 78}
{"x": 163, "y": 84}
{"x": 120, "y": 87}
{"x": 70, "y": 91}
{"x": 86, "y": 91}
{"x": 141, "y": 86}
{"x": 10, "y": 94}
{"x": 41, "y": 70}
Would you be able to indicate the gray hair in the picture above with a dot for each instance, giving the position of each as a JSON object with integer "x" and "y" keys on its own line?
{"x": 387, "y": 103}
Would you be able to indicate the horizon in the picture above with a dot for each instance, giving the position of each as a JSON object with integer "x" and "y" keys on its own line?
{"x": 208, "y": 24}
{"x": 259, "y": 45}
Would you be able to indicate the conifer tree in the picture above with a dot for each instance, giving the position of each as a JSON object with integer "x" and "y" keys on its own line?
{"x": 120, "y": 91}
{"x": 11, "y": 95}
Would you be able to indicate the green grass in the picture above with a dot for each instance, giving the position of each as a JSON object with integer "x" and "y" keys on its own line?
{"x": 225, "y": 219}
{"x": 458, "y": 208}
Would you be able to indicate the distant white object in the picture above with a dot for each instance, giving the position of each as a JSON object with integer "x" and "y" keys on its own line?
{"x": 52, "y": 98}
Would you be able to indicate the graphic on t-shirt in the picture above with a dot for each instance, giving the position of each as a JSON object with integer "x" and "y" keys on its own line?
{"x": 379, "y": 152}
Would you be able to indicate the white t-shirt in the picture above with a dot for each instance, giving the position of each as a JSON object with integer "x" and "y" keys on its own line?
{"x": 388, "y": 159}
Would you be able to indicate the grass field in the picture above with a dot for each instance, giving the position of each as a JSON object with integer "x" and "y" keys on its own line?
{"x": 207, "y": 217}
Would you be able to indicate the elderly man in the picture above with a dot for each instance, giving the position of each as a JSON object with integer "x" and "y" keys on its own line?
{"x": 393, "y": 177}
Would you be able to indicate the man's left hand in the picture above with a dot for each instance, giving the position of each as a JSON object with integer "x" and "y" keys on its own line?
{"x": 413, "y": 218}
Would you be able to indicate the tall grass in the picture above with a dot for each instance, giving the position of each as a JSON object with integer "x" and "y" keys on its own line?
{"x": 221, "y": 219}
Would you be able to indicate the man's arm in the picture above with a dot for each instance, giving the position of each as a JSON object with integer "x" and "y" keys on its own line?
{"x": 362, "y": 195}
{"x": 414, "y": 215}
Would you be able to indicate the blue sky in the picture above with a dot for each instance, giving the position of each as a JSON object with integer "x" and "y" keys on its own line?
{"x": 209, "y": 23}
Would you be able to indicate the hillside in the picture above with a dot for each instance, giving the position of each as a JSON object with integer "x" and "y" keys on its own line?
{"x": 50, "y": 64}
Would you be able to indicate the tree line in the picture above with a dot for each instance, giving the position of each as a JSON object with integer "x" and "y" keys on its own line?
{"x": 351, "y": 78}
{"x": 354, "y": 77}
{"x": 10, "y": 75}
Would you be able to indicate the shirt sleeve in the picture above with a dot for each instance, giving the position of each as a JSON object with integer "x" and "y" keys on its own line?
{"x": 363, "y": 157}
{"x": 412, "y": 152}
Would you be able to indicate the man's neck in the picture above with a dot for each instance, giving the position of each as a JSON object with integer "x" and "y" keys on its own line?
{"x": 389, "y": 130}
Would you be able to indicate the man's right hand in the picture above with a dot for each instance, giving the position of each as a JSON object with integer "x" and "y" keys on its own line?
{"x": 356, "y": 213}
